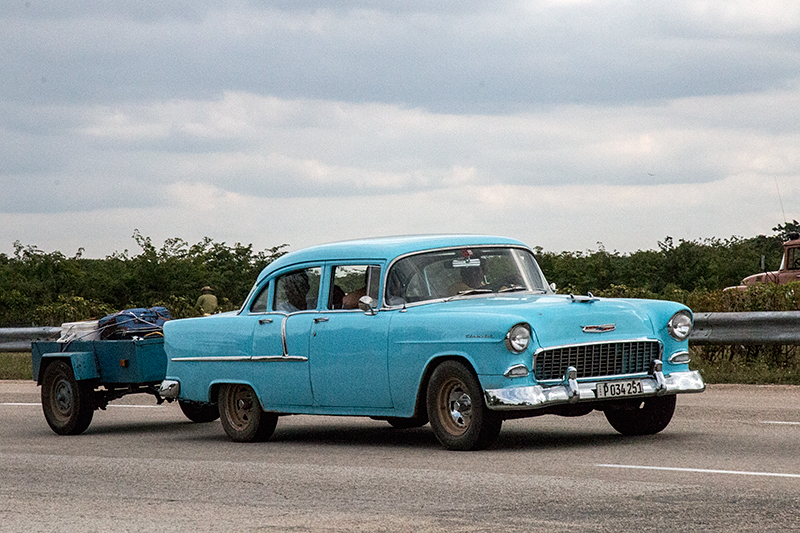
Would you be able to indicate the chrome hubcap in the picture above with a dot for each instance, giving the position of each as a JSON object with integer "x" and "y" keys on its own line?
{"x": 244, "y": 404}
{"x": 240, "y": 406}
{"x": 460, "y": 407}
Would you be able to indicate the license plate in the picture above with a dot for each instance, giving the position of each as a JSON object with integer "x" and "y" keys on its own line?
{"x": 616, "y": 389}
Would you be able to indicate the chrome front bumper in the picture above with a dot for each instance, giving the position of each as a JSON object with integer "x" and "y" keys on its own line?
{"x": 572, "y": 391}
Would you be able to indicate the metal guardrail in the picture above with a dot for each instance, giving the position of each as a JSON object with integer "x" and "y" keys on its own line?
{"x": 751, "y": 328}
{"x": 20, "y": 339}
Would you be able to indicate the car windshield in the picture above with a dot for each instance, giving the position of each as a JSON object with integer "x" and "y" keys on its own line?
{"x": 462, "y": 272}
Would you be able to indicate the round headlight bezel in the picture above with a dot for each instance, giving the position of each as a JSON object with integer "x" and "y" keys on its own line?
{"x": 518, "y": 338}
{"x": 680, "y": 325}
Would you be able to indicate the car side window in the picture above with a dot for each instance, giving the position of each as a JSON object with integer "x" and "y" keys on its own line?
{"x": 298, "y": 290}
{"x": 794, "y": 258}
{"x": 259, "y": 304}
{"x": 350, "y": 283}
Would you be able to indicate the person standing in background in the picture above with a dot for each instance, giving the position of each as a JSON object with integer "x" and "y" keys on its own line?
{"x": 207, "y": 302}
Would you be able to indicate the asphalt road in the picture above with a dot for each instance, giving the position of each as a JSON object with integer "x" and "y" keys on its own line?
{"x": 729, "y": 461}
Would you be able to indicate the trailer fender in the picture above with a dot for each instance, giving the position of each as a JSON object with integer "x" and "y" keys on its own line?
{"x": 84, "y": 364}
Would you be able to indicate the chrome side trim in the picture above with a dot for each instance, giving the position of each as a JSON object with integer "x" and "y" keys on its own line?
{"x": 169, "y": 388}
{"x": 222, "y": 358}
{"x": 279, "y": 358}
{"x": 537, "y": 396}
{"x": 238, "y": 358}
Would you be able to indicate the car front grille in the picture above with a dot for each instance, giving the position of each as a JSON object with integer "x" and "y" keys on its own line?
{"x": 594, "y": 360}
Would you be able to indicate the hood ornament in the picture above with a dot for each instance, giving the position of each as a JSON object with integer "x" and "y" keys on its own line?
{"x": 604, "y": 328}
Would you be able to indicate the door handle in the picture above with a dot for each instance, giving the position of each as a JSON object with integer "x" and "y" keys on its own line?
{"x": 321, "y": 319}
{"x": 265, "y": 321}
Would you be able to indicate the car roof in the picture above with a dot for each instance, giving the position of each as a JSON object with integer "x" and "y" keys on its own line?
{"x": 382, "y": 248}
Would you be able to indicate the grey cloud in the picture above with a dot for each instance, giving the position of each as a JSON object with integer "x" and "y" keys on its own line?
{"x": 513, "y": 58}
{"x": 519, "y": 94}
{"x": 63, "y": 193}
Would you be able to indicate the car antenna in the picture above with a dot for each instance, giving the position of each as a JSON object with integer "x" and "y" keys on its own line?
{"x": 780, "y": 199}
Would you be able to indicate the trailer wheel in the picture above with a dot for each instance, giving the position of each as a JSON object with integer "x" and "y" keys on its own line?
{"x": 67, "y": 403}
{"x": 199, "y": 412}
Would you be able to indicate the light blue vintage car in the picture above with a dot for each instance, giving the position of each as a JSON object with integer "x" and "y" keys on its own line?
{"x": 459, "y": 330}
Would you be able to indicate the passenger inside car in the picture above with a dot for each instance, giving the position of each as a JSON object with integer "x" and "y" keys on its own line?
{"x": 350, "y": 300}
{"x": 291, "y": 293}
{"x": 471, "y": 278}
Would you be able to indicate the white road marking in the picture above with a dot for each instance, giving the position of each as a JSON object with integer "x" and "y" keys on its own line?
{"x": 779, "y": 422}
{"x": 702, "y": 470}
{"x": 110, "y": 405}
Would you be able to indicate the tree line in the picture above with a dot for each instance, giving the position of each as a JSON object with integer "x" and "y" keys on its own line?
{"x": 46, "y": 289}
{"x": 39, "y": 288}
{"x": 707, "y": 264}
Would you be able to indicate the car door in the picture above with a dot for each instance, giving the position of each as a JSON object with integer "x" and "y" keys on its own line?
{"x": 348, "y": 348}
{"x": 280, "y": 376}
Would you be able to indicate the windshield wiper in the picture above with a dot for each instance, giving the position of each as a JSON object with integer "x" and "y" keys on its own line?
{"x": 514, "y": 288}
{"x": 468, "y": 292}
{"x": 473, "y": 291}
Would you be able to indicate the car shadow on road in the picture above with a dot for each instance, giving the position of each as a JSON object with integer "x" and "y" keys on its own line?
{"x": 550, "y": 440}
{"x": 380, "y": 434}
{"x": 161, "y": 427}
{"x": 361, "y": 433}
{"x": 510, "y": 439}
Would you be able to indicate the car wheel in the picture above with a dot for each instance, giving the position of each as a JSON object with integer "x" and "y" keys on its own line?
{"x": 406, "y": 423}
{"x": 67, "y": 403}
{"x": 241, "y": 414}
{"x": 457, "y": 411}
{"x": 642, "y": 417}
{"x": 199, "y": 412}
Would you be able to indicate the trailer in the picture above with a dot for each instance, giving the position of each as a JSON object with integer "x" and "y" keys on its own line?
{"x": 80, "y": 376}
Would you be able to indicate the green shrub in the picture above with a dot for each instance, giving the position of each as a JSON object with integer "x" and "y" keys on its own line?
{"x": 16, "y": 366}
{"x": 763, "y": 297}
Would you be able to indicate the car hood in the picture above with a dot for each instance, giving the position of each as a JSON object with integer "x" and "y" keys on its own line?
{"x": 560, "y": 320}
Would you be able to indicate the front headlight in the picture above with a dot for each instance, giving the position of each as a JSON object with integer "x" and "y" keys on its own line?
{"x": 518, "y": 338}
{"x": 680, "y": 325}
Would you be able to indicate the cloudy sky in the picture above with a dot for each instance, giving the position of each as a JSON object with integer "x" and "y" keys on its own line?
{"x": 563, "y": 123}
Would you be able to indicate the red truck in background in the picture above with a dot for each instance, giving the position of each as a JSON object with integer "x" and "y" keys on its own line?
{"x": 789, "y": 269}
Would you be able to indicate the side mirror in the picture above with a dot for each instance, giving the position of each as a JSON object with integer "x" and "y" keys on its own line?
{"x": 368, "y": 305}
{"x": 553, "y": 287}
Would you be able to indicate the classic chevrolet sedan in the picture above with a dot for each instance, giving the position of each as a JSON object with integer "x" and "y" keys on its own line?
{"x": 461, "y": 331}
